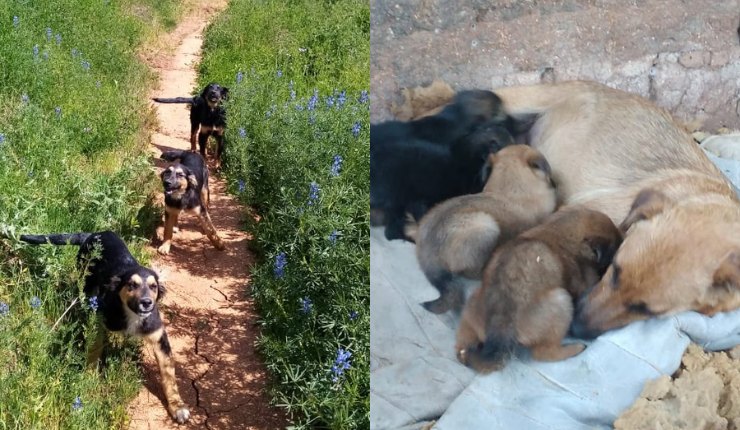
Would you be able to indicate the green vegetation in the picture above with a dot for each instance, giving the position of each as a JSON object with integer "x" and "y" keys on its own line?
{"x": 71, "y": 159}
{"x": 298, "y": 152}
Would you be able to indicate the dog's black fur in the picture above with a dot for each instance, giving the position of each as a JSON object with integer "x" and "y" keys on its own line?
{"x": 416, "y": 164}
{"x": 108, "y": 273}
{"x": 128, "y": 294}
{"x": 207, "y": 117}
{"x": 185, "y": 184}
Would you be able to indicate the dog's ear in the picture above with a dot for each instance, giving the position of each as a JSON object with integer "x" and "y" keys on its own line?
{"x": 727, "y": 274}
{"x": 161, "y": 290}
{"x": 539, "y": 162}
{"x": 113, "y": 283}
{"x": 225, "y": 93}
{"x": 192, "y": 180}
{"x": 647, "y": 204}
{"x": 600, "y": 250}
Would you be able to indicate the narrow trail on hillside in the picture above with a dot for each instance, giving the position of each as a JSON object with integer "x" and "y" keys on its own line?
{"x": 210, "y": 321}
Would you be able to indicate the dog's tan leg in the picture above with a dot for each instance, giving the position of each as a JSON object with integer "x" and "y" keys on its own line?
{"x": 209, "y": 229}
{"x": 161, "y": 345}
{"x": 542, "y": 327}
{"x": 170, "y": 220}
{"x": 194, "y": 141}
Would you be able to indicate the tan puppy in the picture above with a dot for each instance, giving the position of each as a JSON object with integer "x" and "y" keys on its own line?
{"x": 605, "y": 146}
{"x": 456, "y": 238}
{"x": 529, "y": 286}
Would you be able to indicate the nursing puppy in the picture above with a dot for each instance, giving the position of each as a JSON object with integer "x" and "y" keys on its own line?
{"x": 185, "y": 186}
{"x": 606, "y": 146}
{"x": 127, "y": 295}
{"x": 411, "y": 176}
{"x": 456, "y": 238}
{"x": 525, "y": 302}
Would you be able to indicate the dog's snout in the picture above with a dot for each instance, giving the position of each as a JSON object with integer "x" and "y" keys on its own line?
{"x": 579, "y": 327}
{"x": 146, "y": 304}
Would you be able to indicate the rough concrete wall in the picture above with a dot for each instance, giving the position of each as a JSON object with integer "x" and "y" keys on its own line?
{"x": 684, "y": 55}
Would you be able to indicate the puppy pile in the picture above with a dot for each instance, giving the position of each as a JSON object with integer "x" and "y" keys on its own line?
{"x": 481, "y": 207}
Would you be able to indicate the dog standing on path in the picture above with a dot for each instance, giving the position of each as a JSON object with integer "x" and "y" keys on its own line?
{"x": 207, "y": 118}
{"x": 127, "y": 295}
{"x": 185, "y": 184}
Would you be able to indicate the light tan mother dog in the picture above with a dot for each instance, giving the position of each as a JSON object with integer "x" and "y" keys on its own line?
{"x": 682, "y": 247}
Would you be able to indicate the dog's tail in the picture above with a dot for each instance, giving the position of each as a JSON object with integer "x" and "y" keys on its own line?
{"x": 536, "y": 99}
{"x": 55, "y": 239}
{"x": 172, "y": 155}
{"x": 189, "y": 100}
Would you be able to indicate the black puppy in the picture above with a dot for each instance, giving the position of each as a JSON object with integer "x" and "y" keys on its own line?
{"x": 207, "y": 117}
{"x": 416, "y": 164}
{"x": 127, "y": 295}
{"x": 185, "y": 186}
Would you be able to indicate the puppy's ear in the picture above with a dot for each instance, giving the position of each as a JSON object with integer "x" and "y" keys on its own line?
{"x": 225, "y": 93}
{"x": 647, "y": 204}
{"x": 205, "y": 91}
{"x": 162, "y": 173}
{"x": 727, "y": 274}
{"x": 192, "y": 180}
{"x": 539, "y": 162}
{"x": 485, "y": 171}
{"x": 113, "y": 283}
{"x": 600, "y": 250}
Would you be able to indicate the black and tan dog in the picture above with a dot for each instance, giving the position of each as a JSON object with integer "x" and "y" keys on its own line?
{"x": 185, "y": 185}
{"x": 526, "y": 300}
{"x": 207, "y": 117}
{"x": 127, "y": 294}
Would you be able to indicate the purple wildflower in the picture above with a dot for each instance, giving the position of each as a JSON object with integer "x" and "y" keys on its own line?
{"x": 97, "y": 84}
{"x": 341, "y": 98}
{"x": 35, "y": 302}
{"x": 292, "y": 90}
{"x": 306, "y": 305}
{"x": 356, "y": 129}
{"x": 25, "y": 99}
{"x": 35, "y": 51}
{"x": 242, "y": 133}
{"x": 75, "y": 52}
{"x": 329, "y": 101}
{"x": 353, "y": 315}
{"x": 85, "y": 65}
{"x": 281, "y": 261}
{"x": 312, "y": 119}
{"x": 333, "y": 237}
{"x": 239, "y": 77}
{"x": 48, "y": 34}
{"x": 242, "y": 185}
{"x": 92, "y": 303}
{"x": 341, "y": 364}
{"x": 16, "y": 21}
{"x": 58, "y": 38}
{"x": 313, "y": 100}
{"x": 279, "y": 73}
{"x": 4, "y": 309}
{"x": 313, "y": 193}
{"x": 77, "y": 404}
{"x": 336, "y": 165}
{"x": 363, "y": 96}
{"x": 2, "y": 138}
{"x": 58, "y": 111}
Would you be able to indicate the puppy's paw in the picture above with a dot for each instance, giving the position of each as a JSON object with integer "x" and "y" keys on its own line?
{"x": 181, "y": 415}
{"x": 164, "y": 249}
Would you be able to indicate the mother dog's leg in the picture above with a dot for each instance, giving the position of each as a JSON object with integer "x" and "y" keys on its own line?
{"x": 170, "y": 220}
{"x": 208, "y": 228}
{"x": 161, "y": 345}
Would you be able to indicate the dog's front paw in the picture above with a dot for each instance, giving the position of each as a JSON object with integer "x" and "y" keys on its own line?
{"x": 181, "y": 415}
{"x": 164, "y": 249}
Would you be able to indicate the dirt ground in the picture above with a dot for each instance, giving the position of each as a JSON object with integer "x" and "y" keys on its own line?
{"x": 688, "y": 64}
{"x": 210, "y": 321}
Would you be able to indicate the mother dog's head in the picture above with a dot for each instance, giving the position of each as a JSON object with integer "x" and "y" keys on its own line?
{"x": 672, "y": 260}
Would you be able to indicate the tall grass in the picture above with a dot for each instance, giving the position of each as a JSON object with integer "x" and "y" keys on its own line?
{"x": 298, "y": 153}
{"x": 73, "y": 109}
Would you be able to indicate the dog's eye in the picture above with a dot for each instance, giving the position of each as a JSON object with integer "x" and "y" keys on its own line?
{"x": 180, "y": 175}
{"x": 640, "y": 308}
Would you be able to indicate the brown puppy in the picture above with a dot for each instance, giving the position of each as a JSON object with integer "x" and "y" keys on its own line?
{"x": 605, "y": 146}
{"x": 526, "y": 299}
{"x": 456, "y": 238}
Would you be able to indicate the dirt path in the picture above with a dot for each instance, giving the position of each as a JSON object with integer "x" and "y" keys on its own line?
{"x": 211, "y": 324}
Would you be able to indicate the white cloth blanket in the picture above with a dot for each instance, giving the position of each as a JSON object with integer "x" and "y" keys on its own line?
{"x": 415, "y": 377}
